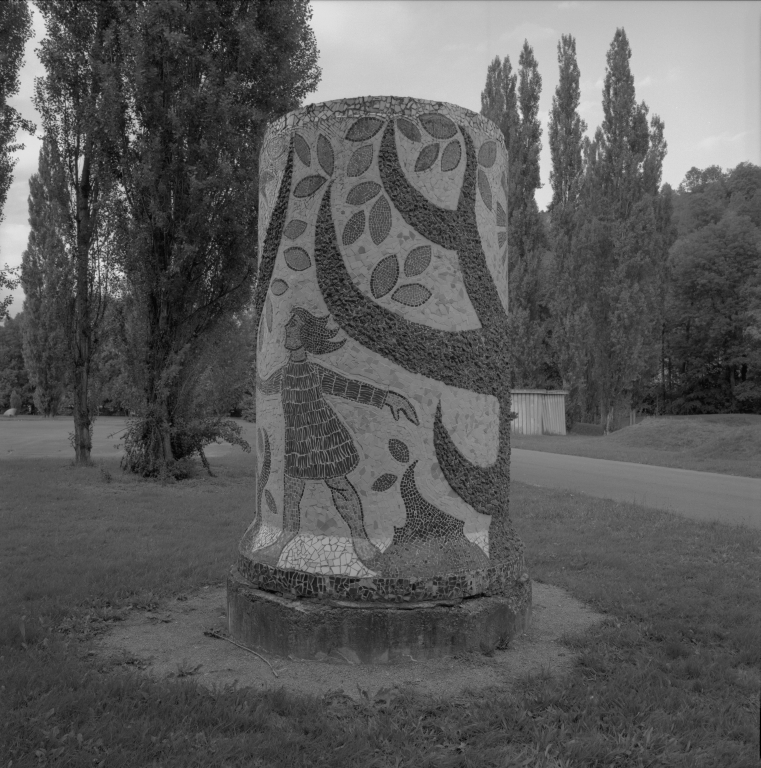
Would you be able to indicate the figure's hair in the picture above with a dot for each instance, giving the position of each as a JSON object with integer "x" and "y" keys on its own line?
{"x": 315, "y": 334}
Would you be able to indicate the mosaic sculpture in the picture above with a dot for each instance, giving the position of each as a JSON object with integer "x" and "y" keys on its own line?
{"x": 383, "y": 407}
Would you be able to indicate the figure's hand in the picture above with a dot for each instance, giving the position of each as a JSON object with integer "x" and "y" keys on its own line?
{"x": 400, "y": 404}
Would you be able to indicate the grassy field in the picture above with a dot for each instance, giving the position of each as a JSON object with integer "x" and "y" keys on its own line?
{"x": 725, "y": 443}
{"x": 671, "y": 678}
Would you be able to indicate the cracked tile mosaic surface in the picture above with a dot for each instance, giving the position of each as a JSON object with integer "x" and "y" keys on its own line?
{"x": 382, "y": 406}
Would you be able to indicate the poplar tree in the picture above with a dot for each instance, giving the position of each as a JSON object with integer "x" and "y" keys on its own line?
{"x": 15, "y": 30}
{"x": 511, "y": 101}
{"x": 570, "y": 318}
{"x": 196, "y": 82}
{"x": 46, "y": 276}
{"x": 74, "y": 108}
{"x": 618, "y": 238}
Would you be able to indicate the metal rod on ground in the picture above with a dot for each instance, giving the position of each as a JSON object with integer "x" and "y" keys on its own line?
{"x": 212, "y": 633}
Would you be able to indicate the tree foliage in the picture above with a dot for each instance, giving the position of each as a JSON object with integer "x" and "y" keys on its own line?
{"x": 75, "y": 108}
{"x": 193, "y": 86}
{"x": 712, "y": 361}
{"x": 13, "y": 374}
{"x": 619, "y": 242}
{"x": 46, "y": 276}
{"x": 15, "y": 30}
{"x": 511, "y": 101}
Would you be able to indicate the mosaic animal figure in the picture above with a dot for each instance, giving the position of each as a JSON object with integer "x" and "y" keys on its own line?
{"x": 318, "y": 446}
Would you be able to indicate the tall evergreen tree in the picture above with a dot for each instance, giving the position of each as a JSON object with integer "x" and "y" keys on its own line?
{"x": 197, "y": 83}
{"x": 15, "y": 30}
{"x": 566, "y": 131}
{"x": 570, "y": 318}
{"x": 46, "y": 277}
{"x": 74, "y": 107}
{"x": 619, "y": 238}
{"x": 525, "y": 235}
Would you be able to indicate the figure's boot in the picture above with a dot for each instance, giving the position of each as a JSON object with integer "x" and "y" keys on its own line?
{"x": 349, "y": 506}
{"x": 293, "y": 491}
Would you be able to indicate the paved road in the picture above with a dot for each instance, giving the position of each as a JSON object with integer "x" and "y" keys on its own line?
{"x": 699, "y": 495}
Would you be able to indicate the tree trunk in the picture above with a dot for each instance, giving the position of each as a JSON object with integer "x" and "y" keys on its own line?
{"x": 662, "y": 409}
{"x": 81, "y": 336}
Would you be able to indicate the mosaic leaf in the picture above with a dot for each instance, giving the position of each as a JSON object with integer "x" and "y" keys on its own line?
{"x": 270, "y": 502}
{"x": 417, "y": 260}
{"x": 380, "y": 220}
{"x": 325, "y": 155}
{"x": 354, "y": 228}
{"x": 484, "y": 188}
{"x": 384, "y": 482}
{"x": 279, "y": 287}
{"x": 438, "y": 126}
{"x": 501, "y": 216}
{"x": 302, "y": 150}
{"x": 487, "y": 154}
{"x": 384, "y": 276}
{"x": 427, "y": 157}
{"x": 295, "y": 228}
{"x": 412, "y": 294}
{"x": 360, "y": 161}
{"x": 399, "y": 450}
{"x": 264, "y": 178}
{"x": 276, "y": 147}
{"x": 308, "y": 186}
{"x": 450, "y": 157}
{"x": 261, "y": 441}
{"x": 501, "y": 237}
{"x": 365, "y": 128}
{"x": 363, "y": 192}
{"x": 408, "y": 129}
{"x": 268, "y": 314}
{"x": 297, "y": 259}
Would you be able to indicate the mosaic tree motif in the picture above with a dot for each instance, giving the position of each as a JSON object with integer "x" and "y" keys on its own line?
{"x": 318, "y": 445}
{"x": 470, "y": 359}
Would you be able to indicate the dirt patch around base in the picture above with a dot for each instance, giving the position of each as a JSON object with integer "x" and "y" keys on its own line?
{"x": 171, "y": 642}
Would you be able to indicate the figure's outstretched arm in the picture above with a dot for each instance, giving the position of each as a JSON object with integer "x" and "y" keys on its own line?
{"x": 270, "y": 386}
{"x": 366, "y": 394}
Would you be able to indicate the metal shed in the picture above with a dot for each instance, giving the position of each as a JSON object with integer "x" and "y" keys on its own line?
{"x": 540, "y": 411}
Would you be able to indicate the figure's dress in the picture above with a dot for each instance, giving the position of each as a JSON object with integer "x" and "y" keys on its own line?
{"x": 317, "y": 443}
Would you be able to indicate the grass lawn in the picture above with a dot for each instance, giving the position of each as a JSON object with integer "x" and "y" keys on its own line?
{"x": 671, "y": 678}
{"x": 726, "y": 443}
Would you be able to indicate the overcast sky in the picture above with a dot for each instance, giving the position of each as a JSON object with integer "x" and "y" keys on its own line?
{"x": 696, "y": 64}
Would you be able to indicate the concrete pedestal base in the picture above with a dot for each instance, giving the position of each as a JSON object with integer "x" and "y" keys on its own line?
{"x": 370, "y": 633}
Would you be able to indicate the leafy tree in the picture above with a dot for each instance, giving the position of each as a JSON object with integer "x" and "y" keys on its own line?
{"x": 75, "y": 107}
{"x": 47, "y": 280}
{"x": 15, "y": 30}
{"x": 196, "y": 83}
{"x": 620, "y": 250}
{"x": 570, "y": 318}
{"x": 713, "y": 308}
{"x": 511, "y": 101}
{"x": 566, "y": 131}
{"x": 13, "y": 375}
{"x": 526, "y": 241}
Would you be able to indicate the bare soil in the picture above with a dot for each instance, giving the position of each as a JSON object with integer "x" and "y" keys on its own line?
{"x": 171, "y": 642}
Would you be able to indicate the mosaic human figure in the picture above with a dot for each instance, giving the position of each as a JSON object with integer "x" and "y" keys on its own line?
{"x": 318, "y": 446}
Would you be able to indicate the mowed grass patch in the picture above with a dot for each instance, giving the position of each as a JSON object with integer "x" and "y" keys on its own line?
{"x": 670, "y": 679}
{"x": 724, "y": 443}
{"x": 98, "y": 537}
